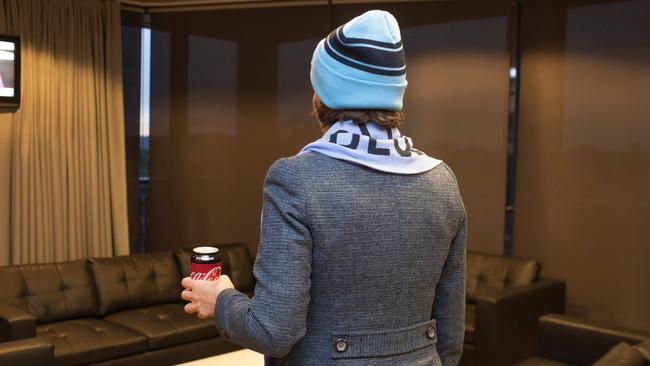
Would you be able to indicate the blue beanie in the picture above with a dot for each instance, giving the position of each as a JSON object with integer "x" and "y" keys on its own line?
{"x": 361, "y": 64}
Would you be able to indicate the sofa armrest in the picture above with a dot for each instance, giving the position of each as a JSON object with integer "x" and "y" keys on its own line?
{"x": 579, "y": 342}
{"x": 506, "y": 322}
{"x": 32, "y": 351}
{"x": 15, "y": 323}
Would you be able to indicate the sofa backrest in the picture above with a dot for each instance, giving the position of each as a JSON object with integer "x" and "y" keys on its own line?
{"x": 579, "y": 341}
{"x": 488, "y": 274}
{"x": 235, "y": 262}
{"x": 50, "y": 292}
{"x": 135, "y": 280}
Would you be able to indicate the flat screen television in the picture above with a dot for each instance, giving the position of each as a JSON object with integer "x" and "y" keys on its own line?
{"x": 9, "y": 71}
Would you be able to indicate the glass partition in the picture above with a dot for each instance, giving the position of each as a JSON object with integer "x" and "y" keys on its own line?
{"x": 584, "y": 158}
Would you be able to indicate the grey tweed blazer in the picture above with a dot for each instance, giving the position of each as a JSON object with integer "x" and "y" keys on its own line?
{"x": 355, "y": 267}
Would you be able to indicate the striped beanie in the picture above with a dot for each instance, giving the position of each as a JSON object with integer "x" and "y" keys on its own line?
{"x": 361, "y": 64}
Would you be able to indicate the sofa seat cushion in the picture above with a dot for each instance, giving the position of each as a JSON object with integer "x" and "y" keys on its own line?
{"x": 538, "y": 361}
{"x": 470, "y": 322}
{"x": 83, "y": 341}
{"x": 165, "y": 325}
{"x": 622, "y": 354}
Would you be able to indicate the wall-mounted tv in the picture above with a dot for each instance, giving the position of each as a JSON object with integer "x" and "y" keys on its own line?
{"x": 9, "y": 71}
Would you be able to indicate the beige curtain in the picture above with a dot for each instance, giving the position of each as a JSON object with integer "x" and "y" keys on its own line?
{"x": 68, "y": 185}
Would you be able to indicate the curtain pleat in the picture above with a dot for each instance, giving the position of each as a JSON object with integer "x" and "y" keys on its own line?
{"x": 68, "y": 179}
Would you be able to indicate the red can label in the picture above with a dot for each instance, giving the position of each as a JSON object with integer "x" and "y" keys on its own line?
{"x": 206, "y": 271}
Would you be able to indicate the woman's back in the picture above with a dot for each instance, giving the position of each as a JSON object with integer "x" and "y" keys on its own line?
{"x": 379, "y": 243}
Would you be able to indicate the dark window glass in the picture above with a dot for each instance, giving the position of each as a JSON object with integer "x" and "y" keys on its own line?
{"x": 230, "y": 94}
{"x": 583, "y": 197}
{"x": 131, "y": 52}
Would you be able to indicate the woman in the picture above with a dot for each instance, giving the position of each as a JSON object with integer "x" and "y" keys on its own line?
{"x": 362, "y": 252}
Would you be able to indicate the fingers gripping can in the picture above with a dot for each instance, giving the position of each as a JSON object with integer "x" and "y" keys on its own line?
{"x": 206, "y": 264}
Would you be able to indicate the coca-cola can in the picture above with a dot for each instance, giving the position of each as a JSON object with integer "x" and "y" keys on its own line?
{"x": 206, "y": 264}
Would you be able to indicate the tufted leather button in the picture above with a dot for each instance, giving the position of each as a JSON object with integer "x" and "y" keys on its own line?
{"x": 341, "y": 345}
{"x": 431, "y": 333}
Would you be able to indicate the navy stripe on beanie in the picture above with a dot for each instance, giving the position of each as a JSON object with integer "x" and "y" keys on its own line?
{"x": 393, "y": 58}
{"x": 363, "y": 55}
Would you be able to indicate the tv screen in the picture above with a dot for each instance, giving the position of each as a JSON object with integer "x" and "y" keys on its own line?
{"x": 9, "y": 71}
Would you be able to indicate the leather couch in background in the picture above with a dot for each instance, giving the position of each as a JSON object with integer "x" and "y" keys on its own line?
{"x": 505, "y": 297}
{"x": 566, "y": 341}
{"x": 110, "y": 311}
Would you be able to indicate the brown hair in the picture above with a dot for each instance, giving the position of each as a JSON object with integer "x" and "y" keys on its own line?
{"x": 384, "y": 118}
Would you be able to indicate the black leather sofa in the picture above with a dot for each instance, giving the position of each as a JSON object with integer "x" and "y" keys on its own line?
{"x": 109, "y": 311}
{"x": 567, "y": 341}
{"x": 505, "y": 297}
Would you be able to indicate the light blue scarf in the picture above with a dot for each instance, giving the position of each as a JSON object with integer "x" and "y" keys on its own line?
{"x": 373, "y": 146}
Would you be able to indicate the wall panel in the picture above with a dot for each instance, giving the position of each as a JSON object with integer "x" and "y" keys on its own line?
{"x": 230, "y": 95}
{"x": 583, "y": 198}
